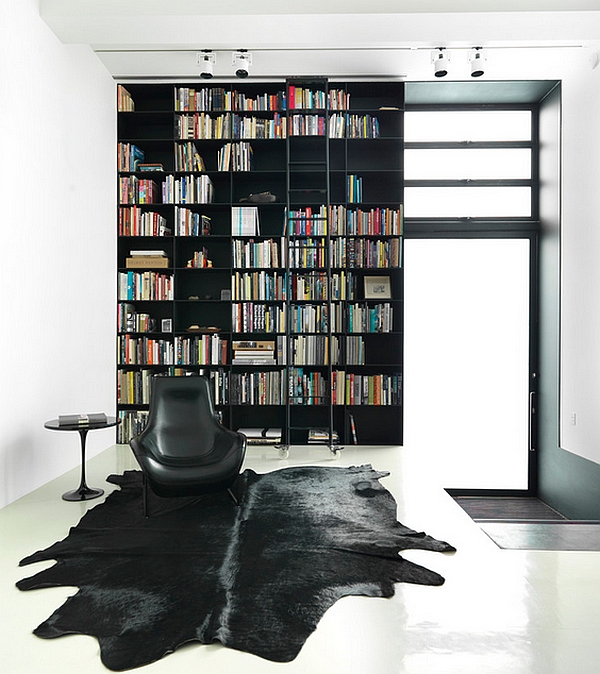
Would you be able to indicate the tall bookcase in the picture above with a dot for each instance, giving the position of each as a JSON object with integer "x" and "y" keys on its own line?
{"x": 260, "y": 244}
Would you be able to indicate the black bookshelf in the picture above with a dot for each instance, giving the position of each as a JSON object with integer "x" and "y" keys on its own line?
{"x": 260, "y": 244}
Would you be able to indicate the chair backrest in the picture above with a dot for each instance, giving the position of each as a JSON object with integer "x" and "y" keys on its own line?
{"x": 181, "y": 418}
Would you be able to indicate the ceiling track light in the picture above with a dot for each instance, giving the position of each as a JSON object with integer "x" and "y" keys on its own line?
{"x": 241, "y": 60}
{"x": 206, "y": 61}
{"x": 440, "y": 60}
{"x": 477, "y": 59}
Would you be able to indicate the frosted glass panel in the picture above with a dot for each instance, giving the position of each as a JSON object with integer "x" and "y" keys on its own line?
{"x": 476, "y": 163}
{"x": 467, "y": 202}
{"x": 466, "y": 366}
{"x": 463, "y": 125}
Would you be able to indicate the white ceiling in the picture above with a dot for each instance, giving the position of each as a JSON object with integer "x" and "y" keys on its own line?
{"x": 148, "y": 39}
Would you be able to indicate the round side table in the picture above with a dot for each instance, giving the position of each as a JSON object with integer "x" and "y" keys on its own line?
{"x": 83, "y": 492}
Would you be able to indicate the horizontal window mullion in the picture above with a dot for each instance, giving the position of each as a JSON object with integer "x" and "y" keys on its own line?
{"x": 469, "y": 229}
{"x": 468, "y": 145}
{"x": 469, "y": 182}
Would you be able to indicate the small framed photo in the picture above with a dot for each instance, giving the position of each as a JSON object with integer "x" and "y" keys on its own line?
{"x": 166, "y": 325}
{"x": 377, "y": 288}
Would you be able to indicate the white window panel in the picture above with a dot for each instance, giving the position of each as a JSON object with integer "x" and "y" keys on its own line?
{"x": 465, "y": 125}
{"x": 467, "y": 202}
{"x": 459, "y": 164}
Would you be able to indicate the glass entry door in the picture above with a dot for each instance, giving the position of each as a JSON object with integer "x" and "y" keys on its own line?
{"x": 467, "y": 360}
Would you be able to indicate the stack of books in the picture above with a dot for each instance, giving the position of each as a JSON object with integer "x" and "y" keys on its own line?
{"x": 147, "y": 259}
{"x": 259, "y": 352}
{"x": 321, "y": 435}
{"x": 262, "y": 436}
{"x": 81, "y": 419}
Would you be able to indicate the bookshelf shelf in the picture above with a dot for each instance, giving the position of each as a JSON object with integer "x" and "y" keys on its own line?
{"x": 274, "y": 206}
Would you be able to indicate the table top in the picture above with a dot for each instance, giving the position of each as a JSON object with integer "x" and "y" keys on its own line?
{"x": 54, "y": 425}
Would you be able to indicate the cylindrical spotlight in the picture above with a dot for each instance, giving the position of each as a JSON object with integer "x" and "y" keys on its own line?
{"x": 477, "y": 59}
{"x": 207, "y": 65}
{"x": 440, "y": 62}
{"x": 242, "y": 61}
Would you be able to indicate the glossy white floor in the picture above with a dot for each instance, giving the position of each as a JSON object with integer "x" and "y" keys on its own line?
{"x": 505, "y": 612}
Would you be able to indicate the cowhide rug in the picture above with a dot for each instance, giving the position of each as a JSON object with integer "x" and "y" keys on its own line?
{"x": 257, "y": 578}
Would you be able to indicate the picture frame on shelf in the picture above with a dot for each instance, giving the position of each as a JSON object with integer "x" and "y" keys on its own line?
{"x": 378, "y": 288}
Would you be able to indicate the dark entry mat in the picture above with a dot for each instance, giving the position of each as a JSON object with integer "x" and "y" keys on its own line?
{"x": 555, "y": 535}
{"x": 504, "y": 508}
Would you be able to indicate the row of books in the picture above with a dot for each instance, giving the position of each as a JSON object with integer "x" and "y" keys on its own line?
{"x": 190, "y": 223}
{"x": 229, "y": 126}
{"x": 354, "y": 189}
{"x": 133, "y": 221}
{"x": 235, "y": 157}
{"x": 349, "y": 388}
{"x": 133, "y": 350}
{"x": 319, "y": 285}
{"x": 307, "y": 388}
{"x": 124, "y": 100}
{"x": 129, "y": 156}
{"x": 355, "y": 351}
{"x": 205, "y": 349}
{"x": 305, "y": 98}
{"x": 346, "y": 125}
{"x": 307, "y": 125}
{"x": 134, "y": 190}
{"x": 257, "y": 388}
{"x": 372, "y": 222}
{"x": 307, "y": 253}
{"x": 372, "y": 319}
{"x": 366, "y": 253}
{"x": 146, "y": 285}
{"x": 189, "y": 189}
{"x": 306, "y": 221}
{"x": 188, "y": 99}
{"x": 255, "y": 254}
{"x": 129, "y": 320}
{"x": 219, "y": 99}
{"x": 315, "y": 318}
{"x": 188, "y": 158}
{"x": 314, "y": 350}
{"x": 258, "y": 285}
{"x": 133, "y": 386}
{"x": 132, "y": 424}
{"x": 252, "y": 317}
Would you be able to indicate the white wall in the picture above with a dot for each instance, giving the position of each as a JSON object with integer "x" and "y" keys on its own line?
{"x": 57, "y": 270}
{"x": 580, "y": 305}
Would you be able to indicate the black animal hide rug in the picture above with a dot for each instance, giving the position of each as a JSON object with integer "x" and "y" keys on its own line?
{"x": 256, "y": 578}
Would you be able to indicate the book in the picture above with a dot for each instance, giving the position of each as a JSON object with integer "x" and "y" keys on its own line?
{"x": 353, "y": 429}
{"x": 138, "y": 253}
{"x": 81, "y": 419}
{"x": 146, "y": 261}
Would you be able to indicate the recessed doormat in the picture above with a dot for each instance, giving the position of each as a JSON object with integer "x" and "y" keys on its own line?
{"x": 552, "y": 535}
{"x": 256, "y": 578}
